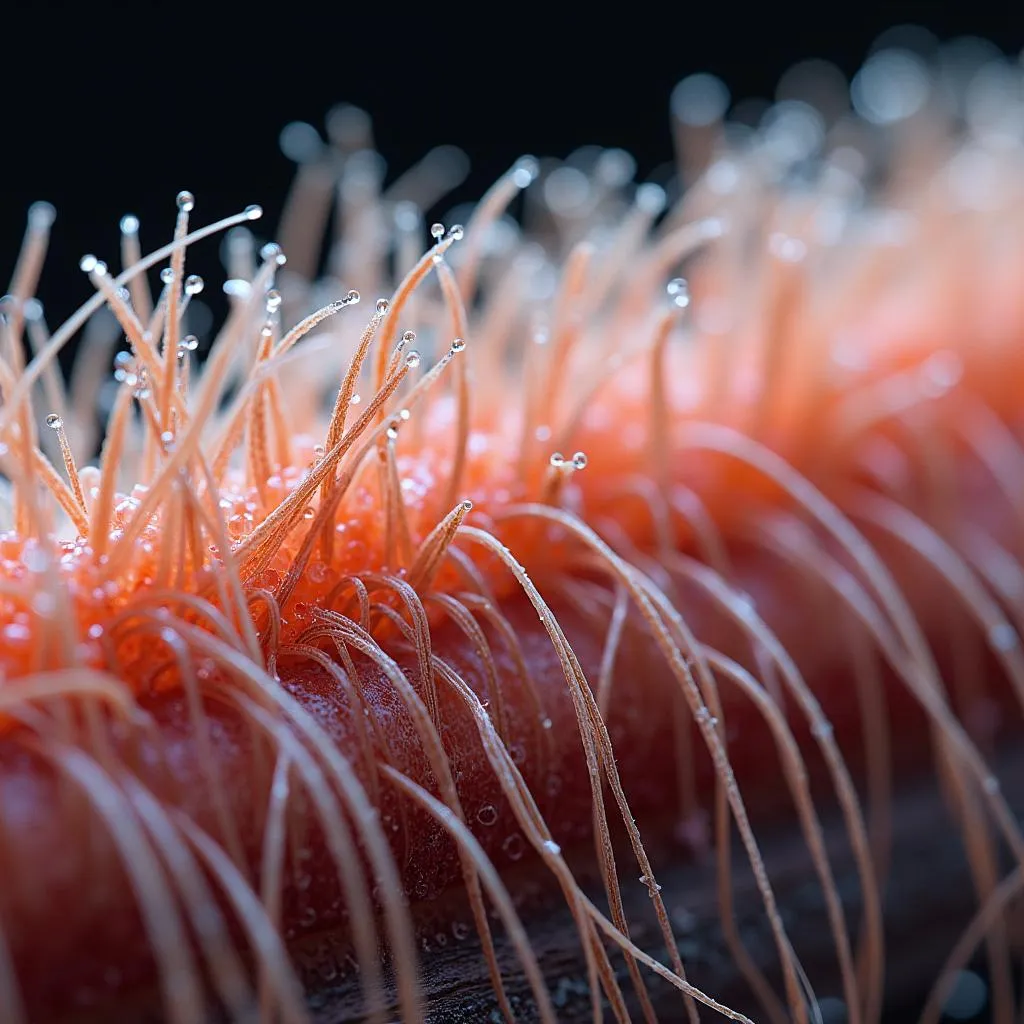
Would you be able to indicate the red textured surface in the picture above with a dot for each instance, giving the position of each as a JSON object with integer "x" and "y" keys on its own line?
{"x": 71, "y": 914}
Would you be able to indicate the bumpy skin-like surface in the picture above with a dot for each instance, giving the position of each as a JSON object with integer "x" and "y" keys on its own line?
{"x": 72, "y": 916}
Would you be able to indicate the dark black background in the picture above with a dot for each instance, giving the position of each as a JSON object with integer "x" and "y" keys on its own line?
{"x": 109, "y": 109}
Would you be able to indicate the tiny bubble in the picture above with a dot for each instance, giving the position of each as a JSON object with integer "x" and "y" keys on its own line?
{"x": 513, "y": 846}
{"x": 487, "y": 815}
{"x": 186, "y": 202}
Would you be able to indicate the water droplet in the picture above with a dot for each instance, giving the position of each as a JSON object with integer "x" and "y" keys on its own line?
{"x": 236, "y": 288}
{"x": 404, "y": 415}
{"x": 253, "y": 211}
{"x": 786, "y": 247}
{"x": 456, "y": 232}
{"x": 194, "y": 284}
{"x": 651, "y": 198}
{"x": 383, "y": 305}
{"x": 392, "y": 431}
{"x": 186, "y": 202}
{"x": 129, "y": 224}
{"x": 87, "y": 264}
{"x": 1003, "y": 637}
{"x": 308, "y": 512}
{"x": 458, "y": 344}
{"x": 525, "y": 171}
{"x": 54, "y": 422}
{"x": 190, "y": 343}
{"x": 679, "y": 292}
{"x": 437, "y": 231}
{"x": 487, "y": 815}
{"x": 700, "y": 100}
{"x": 412, "y": 359}
{"x": 967, "y": 998}
{"x": 892, "y": 85}
{"x": 546, "y": 723}
{"x": 579, "y": 460}
{"x": 408, "y": 337}
{"x": 318, "y": 450}
{"x": 652, "y": 886}
{"x": 351, "y": 297}
{"x": 460, "y": 930}
{"x": 557, "y": 460}
{"x": 167, "y": 275}
{"x": 355, "y": 400}
{"x": 467, "y": 505}
{"x": 273, "y": 300}
{"x": 552, "y": 847}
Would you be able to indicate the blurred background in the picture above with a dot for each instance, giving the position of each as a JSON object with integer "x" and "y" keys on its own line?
{"x": 114, "y": 111}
